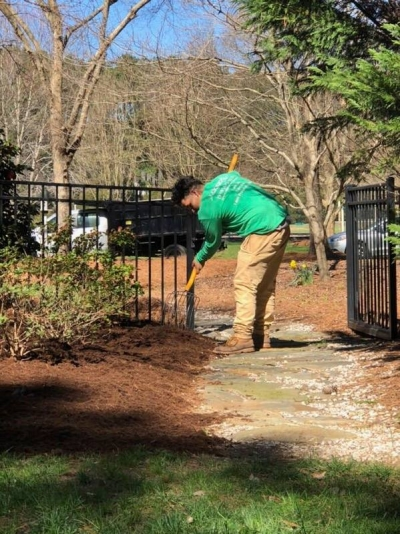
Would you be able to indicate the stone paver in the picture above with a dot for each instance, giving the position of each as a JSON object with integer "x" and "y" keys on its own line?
{"x": 293, "y": 395}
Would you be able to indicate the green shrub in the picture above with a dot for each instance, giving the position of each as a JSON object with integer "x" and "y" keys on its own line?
{"x": 66, "y": 297}
{"x": 394, "y": 238}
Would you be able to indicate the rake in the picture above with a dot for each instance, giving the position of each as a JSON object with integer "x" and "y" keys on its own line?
{"x": 180, "y": 306}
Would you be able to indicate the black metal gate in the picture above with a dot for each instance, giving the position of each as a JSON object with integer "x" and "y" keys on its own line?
{"x": 371, "y": 269}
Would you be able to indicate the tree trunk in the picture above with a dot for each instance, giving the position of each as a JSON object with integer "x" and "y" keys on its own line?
{"x": 317, "y": 231}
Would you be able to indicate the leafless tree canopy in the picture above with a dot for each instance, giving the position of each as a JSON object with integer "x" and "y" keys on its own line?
{"x": 84, "y": 115}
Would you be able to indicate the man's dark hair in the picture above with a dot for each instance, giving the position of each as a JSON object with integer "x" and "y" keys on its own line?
{"x": 183, "y": 187}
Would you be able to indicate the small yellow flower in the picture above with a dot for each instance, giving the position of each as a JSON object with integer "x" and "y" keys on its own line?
{"x": 293, "y": 264}
{"x": 304, "y": 266}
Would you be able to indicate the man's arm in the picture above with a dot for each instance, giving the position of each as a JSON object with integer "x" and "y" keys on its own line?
{"x": 212, "y": 240}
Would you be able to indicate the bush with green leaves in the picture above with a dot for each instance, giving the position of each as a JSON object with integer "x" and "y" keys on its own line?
{"x": 121, "y": 241}
{"x": 394, "y": 238}
{"x": 66, "y": 297}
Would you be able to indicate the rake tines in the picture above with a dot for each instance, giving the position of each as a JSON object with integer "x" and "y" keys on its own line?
{"x": 180, "y": 307}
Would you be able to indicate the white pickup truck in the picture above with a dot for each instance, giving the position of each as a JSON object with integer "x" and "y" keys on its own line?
{"x": 83, "y": 222}
{"x": 157, "y": 225}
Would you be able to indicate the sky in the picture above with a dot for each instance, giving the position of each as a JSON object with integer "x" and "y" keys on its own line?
{"x": 165, "y": 30}
{"x": 161, "y": 28}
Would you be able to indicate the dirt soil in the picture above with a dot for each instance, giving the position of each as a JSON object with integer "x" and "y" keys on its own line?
{"x": 138, "y": 384}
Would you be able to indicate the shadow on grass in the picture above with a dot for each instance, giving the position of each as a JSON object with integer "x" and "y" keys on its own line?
{"x": 149, "y": 491}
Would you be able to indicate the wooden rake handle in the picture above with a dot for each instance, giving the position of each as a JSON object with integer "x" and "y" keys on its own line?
{"x": 192, "y": 278}
{"x": 233, "y": 162}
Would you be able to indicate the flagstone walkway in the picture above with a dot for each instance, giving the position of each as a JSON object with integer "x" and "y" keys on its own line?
{"x": 301, "y": 396}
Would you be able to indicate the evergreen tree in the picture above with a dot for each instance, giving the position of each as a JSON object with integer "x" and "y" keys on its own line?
{"x": 15, "y": 214}
{"x": 371, "y": 90}
{"x": 348, "y": 48}
{"x": 319, "y": 30}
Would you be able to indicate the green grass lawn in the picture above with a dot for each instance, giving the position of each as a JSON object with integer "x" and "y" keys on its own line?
{"x": 155, "y": 492}
{"x": 233, "y": 247}
{"x": 304, "y": 228}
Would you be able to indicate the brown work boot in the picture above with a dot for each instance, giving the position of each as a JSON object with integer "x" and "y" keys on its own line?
{"x": 235, "y": 345}
{"x": 261, "y": 341}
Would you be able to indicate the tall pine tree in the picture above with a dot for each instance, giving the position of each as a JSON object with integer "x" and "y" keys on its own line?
{"x": 15, "y": 214}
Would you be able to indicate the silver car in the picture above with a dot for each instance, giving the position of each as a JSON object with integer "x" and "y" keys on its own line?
{"x": 337, "y": 242}
{"x": 371, "y": 241}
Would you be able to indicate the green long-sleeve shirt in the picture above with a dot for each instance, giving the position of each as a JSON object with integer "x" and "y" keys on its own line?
{"x": 231, "y": 203}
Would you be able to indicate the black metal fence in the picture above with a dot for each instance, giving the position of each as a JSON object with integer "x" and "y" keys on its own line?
{"x": 165, "y": 237}
{"x": 371, "y": 268}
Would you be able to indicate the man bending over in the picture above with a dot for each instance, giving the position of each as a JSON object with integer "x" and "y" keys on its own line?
{"x": 231, "y": 203}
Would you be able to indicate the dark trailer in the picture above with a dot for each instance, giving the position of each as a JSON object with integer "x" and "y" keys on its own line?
{"x": 158, "y": 225}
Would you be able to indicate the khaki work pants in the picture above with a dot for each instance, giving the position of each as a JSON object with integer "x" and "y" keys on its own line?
{"x": 257, "y": 267}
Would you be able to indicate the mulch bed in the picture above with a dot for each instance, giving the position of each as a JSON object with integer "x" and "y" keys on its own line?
{"x": 134, "y": 385}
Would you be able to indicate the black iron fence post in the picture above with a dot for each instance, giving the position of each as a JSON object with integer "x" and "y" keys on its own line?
{"x": 352, "y": 273}
{"x": 391, "y": 218}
